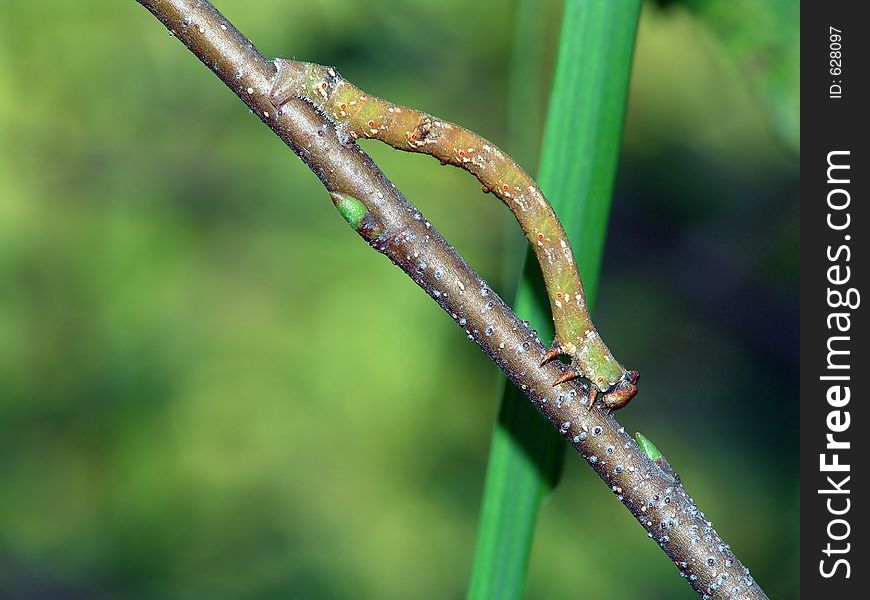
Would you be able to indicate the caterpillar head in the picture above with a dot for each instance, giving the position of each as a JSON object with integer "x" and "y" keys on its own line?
{"x": 295, "y": 78}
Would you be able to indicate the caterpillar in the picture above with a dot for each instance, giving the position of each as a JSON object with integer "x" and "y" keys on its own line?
{"x": 360, "y": 115}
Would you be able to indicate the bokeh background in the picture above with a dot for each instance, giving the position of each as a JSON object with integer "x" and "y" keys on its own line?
{"x": 185, "y": 411}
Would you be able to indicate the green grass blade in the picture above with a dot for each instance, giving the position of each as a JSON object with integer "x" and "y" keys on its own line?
{"x": 577, "y": 170}
{"x": 528, "y": 90}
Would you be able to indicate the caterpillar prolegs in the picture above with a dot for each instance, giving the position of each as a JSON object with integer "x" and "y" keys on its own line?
{"x": 364, "y": 116}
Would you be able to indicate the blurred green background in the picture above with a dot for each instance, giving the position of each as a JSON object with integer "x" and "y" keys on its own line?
{"x": 183, "y": 412}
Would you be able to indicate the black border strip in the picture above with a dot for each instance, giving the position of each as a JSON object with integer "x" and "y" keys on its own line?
{"x": 834, "y": 258}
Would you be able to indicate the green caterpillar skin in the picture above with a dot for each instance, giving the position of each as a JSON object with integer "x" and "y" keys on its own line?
{"x": 361, "y": 115}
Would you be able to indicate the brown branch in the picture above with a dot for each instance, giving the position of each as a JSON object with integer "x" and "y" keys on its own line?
{"x": 396, "y": 229}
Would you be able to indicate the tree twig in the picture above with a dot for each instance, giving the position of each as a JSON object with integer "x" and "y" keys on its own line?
{"x": 393, "y": 227}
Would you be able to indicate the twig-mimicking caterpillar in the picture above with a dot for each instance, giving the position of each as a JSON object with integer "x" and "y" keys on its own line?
{"x": 364, "y": 116}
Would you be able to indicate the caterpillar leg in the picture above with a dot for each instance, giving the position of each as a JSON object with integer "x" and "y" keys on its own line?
{"x": 621, "y": 393}
{"x": 613, "y": 397}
